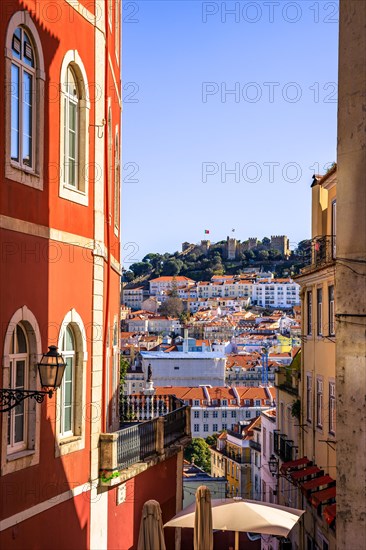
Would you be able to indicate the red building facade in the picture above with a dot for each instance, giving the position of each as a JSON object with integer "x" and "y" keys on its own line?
{"x": 72, "y": 475}
{"x": 60, "y": 263}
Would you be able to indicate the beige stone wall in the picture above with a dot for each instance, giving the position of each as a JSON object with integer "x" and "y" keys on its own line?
{"x": 351, "y": 278}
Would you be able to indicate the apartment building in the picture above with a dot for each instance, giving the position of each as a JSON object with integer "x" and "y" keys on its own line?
{"x": 133, "y": 297}
{"x": 277, "y": 293}
{"x": 317, "y": 389}
{"x": 231, "y": 458}
{"x": 185, "y": 368}
{"x": 215, "y": 409}
{"x": 161, "y": 285}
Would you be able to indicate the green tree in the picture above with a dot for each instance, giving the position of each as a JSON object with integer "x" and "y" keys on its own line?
{"x": 184, "y": 317}
{"x": 211, "y": 439}
{"x": 199, "y": 452}
{"x": 172, "y": 267}
{"x": 128, "y": 276}
{"x": 263, "y": 255}
{"x": 140, "y": 268}
{"x": 172, "y": 307}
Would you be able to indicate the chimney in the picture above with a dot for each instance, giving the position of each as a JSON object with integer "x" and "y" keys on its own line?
{"x": 185, "y": 341}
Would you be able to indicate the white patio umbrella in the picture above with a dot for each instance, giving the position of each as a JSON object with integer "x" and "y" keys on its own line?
{"x": 151, "y": 536}
{"x": 243, "y": 515}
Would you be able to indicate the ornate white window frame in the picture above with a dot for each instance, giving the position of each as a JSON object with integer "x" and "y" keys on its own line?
{"x": 30, "y": 456}
{"x": 34, "y": 177}
{"x": 68, "y": 192}
{"x": 76, "y": 442}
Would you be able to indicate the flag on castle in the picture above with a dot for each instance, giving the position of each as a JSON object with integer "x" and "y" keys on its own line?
{"x": 207, "y": 231}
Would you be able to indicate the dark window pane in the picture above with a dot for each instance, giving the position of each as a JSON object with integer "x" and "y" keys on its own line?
{"x": 19, "y": 428}
{"x": 21, "y": 339}
{"x": 15, "y": 112}
{"x": 20, "y": 374}
{"x": 16, "y": 43}
{"x": 27, "y": 119}
{"x": 28, "y": 54}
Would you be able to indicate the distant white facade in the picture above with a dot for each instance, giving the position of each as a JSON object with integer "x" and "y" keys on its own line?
{"x": 231, "y": 292}
{"x": 208, "y": 421}
{"x": 178, "y": 368}
{"x": 276, "y": 294}
{"x": 133, "y": 297}
{"x": 154, "y": 324}
{"x": 163, "y": 284}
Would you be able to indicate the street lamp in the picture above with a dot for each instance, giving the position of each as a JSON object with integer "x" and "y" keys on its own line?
{"x": 273, "y": 465}
{"x": 51, "y": 370}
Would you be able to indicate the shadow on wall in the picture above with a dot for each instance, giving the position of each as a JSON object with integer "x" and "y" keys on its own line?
{"x": 63, "y": 525}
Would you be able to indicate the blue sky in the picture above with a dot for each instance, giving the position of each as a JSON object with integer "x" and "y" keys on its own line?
{"x": 196, "y": 156}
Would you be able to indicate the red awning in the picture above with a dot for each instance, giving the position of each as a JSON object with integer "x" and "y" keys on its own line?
{"x": 322, "y": 496}
{"x": 329, "y": 513}
{"x": 295, "y": 464}
{"x": 305, "y": 472}
{"x": 321, "y": 481}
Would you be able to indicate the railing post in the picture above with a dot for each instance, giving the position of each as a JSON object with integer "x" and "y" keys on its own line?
{"x": 108, "y": 452}
{"x": 187, "y": 429}
{"x": 160, "y": 435}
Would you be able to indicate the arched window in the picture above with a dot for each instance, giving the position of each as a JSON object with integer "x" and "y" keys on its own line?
{"x": 74, "y": 129}
{"x": 20, "y": 427}
{"x": 67, "y": 401}
{"x": 71, "y": 398}
{"x": 18, "y": 379}
{"x": 22, "y": 97}
{"x": 71, "y": 129}
{"x": 24, "y": 78}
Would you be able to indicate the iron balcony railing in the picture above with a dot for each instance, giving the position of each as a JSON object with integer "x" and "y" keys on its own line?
{"x": 283, "y": 447}
{"x": 320, "y": 251}
{"x": 139, "y": 408}
{"x": 136, "y": 443}
{"x": 236, "y": 457}
{"x": 149, "y": 426}
{"x": 174, "y": 426}
{"x": 255, "y": 445}
{"x": 276, "y": 442}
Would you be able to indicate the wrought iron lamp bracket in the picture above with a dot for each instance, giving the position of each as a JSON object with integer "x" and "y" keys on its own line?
{"x": 11, "y": 398}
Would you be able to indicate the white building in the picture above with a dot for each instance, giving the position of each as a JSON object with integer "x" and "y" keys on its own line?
{"x": 215, "y": 409}
{"x": 180, "y": 368}
{"x": 153, "y": 324}
{"x": 133, "y": 297}
{"x": 164, "y": 324}
{"x": 161, "y": 285}
{"x": 255, "y": 460}
{"x": 276, "y": 293}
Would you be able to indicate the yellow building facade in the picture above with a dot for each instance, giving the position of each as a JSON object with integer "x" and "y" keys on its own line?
{"x": 317, "y": 392}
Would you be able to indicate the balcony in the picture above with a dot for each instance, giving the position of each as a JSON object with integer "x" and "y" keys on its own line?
{"x": 153, "y": 428}
{"x": 255, "y": 445}
{"x": 276, "y": 442}
{"x": 320, "y": 252}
